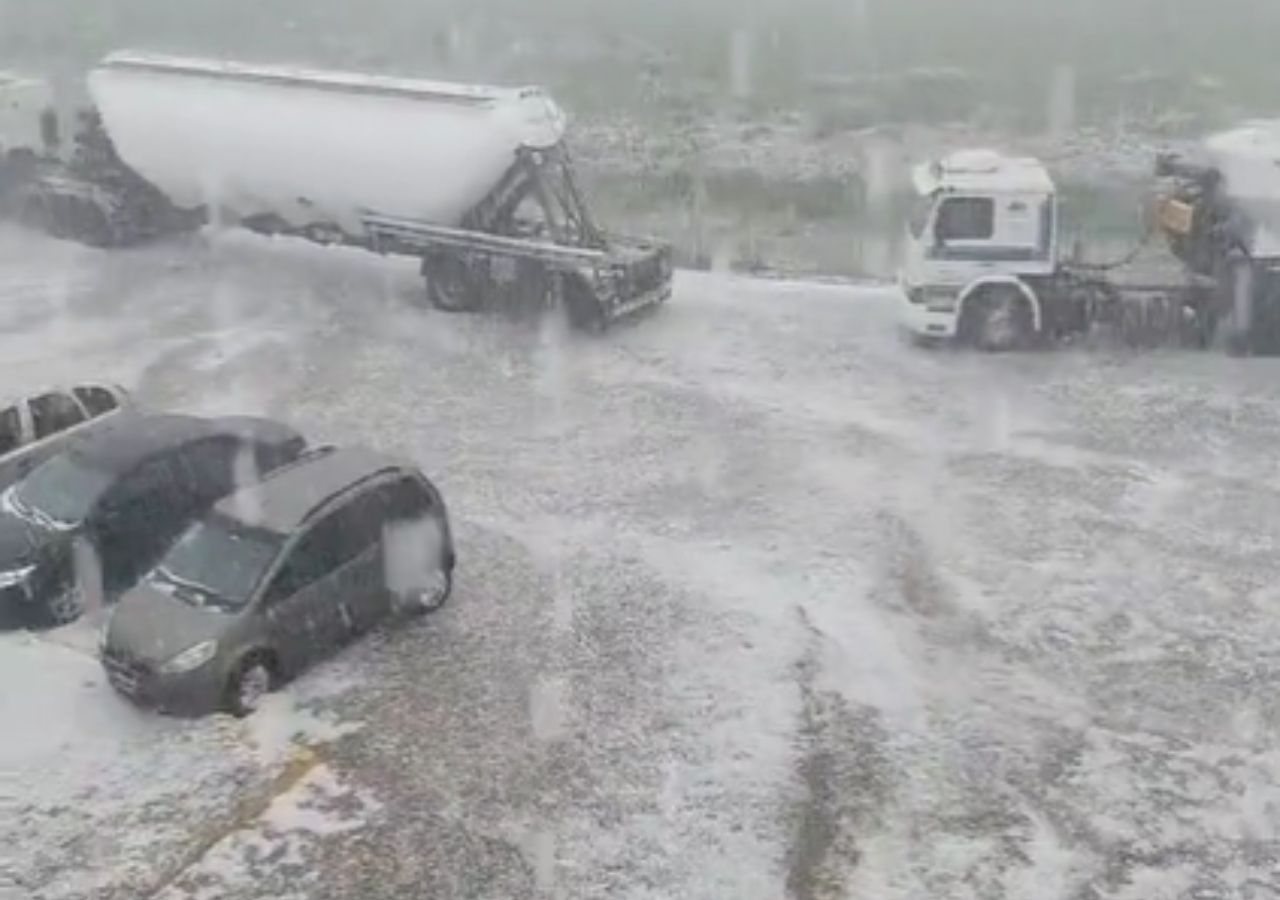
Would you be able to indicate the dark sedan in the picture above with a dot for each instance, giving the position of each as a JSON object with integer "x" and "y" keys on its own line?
{"x": 85, "y": 525}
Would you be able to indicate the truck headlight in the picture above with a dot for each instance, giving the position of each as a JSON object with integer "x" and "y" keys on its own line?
{"x": 190, "y": 659}
{"x": 15, "y": 577}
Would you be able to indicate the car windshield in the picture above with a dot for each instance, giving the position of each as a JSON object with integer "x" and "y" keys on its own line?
{"x": 217, "y": 563}
{"x": 61, "y": 492}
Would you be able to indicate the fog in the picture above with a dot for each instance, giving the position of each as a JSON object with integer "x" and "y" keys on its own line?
{"x": 1010, "y": 46}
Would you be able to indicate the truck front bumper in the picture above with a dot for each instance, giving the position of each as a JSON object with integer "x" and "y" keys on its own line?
{"x": 921, "y": 321}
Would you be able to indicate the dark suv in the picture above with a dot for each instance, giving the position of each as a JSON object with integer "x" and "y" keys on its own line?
{"x": 277, "y": 576}
{"x": 88, "y": 523}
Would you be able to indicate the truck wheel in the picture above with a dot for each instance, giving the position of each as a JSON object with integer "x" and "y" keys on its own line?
{"x": 582, "y": 307}
{"x": 998, "y": 320}
{"x": 1236, "y": 284}
{"x": 450, "y": 286}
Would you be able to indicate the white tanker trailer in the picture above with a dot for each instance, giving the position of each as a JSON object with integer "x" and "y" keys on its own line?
{"x": 474, "y": 181}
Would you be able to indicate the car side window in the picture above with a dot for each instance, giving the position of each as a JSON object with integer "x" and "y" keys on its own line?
{"x": 332, "y": 542}
{"x": 52, "y": 413}
{"x": 359, "y": 526}
{"x": 306, "y": 564}
{"x": 97, "y": 400}
{"x": 141, "y": 501}
{"x": 405, "y": 499}
{"x": 10, "y": 429}
{"x": 209, "y": 466}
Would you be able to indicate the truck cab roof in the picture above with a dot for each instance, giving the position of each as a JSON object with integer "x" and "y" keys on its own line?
{"x": 983, "y": 172}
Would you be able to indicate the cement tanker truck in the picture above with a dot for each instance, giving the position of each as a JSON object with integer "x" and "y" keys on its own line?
{"x": 982, "y": 262}
{"x": 476, "y": 182}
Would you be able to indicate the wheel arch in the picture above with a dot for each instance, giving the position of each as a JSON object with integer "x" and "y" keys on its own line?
{"x": 976, "y": 287}
{"x": 269, "y": 655}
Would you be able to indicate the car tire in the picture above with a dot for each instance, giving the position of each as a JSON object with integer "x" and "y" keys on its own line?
{"x": 66, "y": 606}
{"x": 252, "y": 679}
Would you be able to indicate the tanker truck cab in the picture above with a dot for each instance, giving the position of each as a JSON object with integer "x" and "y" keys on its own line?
{"x": 28, "y": 117}
{"x": 982, "y": 234}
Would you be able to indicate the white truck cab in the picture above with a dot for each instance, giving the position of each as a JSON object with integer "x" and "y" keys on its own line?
{"x": 984, "y": 230}
{"x": 28, "y": 116}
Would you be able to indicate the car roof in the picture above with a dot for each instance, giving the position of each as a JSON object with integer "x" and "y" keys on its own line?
{"x": 132, "y": 439}
{"x": 284, "y": 499}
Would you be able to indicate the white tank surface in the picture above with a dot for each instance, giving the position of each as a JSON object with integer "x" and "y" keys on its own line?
{"x": 312, "y": 146}
{"x": 1248, "y": 159}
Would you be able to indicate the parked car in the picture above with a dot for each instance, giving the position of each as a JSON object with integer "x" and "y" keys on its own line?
{"x": 277, "y": 576}
{"x": 89, "y": 522}
{"x": 35, "y": 428}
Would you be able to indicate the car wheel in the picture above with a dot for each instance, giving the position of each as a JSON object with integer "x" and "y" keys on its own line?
{"x": 252, "y": 680}
{"x": 67, "y": 606}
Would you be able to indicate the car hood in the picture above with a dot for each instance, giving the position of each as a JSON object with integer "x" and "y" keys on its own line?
{"x": 152, "y": 626}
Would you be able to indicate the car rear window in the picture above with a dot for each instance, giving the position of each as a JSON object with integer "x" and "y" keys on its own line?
{"x": 10, "y": 429}
{"x": 98, "y": 401}
{"x": 52, "y": 413}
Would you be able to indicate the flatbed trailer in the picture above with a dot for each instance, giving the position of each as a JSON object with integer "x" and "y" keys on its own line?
{"x": 474, "y": 182}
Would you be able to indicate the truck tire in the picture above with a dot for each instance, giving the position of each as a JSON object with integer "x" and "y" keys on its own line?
{"x": 451, "y": 287}
{"x": 997, "y": 319}
{"x": 1236, "y": 287}
{"x": 581, "y": 305}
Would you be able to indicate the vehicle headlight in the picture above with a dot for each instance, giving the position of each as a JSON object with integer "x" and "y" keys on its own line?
{"x": 14, "y": 577}
{"x": 190, "y": 659}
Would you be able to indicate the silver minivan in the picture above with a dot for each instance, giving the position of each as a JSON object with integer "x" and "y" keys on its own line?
{"x": 278, "y": 576}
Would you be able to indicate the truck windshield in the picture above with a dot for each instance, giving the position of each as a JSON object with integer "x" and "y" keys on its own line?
{"x": 217, "y": 564}
{"x": 61, "y": 492}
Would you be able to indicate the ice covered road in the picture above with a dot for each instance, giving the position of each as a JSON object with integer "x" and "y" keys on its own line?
{"x": 755, "y": 602}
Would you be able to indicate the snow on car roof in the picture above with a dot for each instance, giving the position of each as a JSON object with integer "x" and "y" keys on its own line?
{"x": 295, "y": 76}
{"x": 127, "y": 442}
{"x": 284, "y": 499}
{"x": 984, "y": 172}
